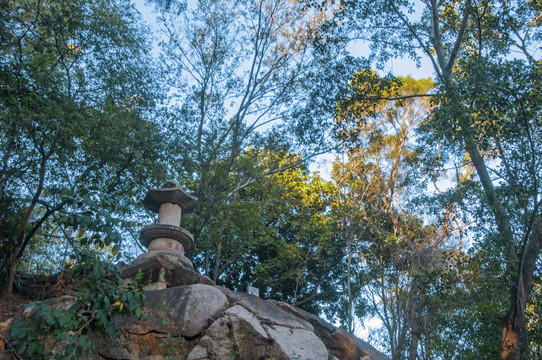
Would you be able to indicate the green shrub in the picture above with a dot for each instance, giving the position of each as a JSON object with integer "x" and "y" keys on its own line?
{"x": 100, "y": 296}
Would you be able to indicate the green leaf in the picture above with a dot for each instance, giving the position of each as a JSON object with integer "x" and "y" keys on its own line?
{"x": 115, "y": 250}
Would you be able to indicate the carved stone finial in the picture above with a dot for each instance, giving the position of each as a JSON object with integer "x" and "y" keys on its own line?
{"x": 171, "y": 184}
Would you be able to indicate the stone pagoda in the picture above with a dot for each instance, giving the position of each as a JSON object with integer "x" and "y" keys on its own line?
{"x": 170, "y": 202}
{"x": 164, "y": 264}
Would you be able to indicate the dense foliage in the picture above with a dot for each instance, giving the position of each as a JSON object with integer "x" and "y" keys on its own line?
{"x": 76, "y": 139}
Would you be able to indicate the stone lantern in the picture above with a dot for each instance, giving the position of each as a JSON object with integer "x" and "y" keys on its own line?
{"x": 164, "y": 264}
{"x": 170, "y": 202}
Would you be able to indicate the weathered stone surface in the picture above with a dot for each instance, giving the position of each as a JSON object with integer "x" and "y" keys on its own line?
{"x": 188, "y": 307}
{"x": 172, "y": 193}
{"x": 243, "y": 314}
{"x": 232, "y": 335}
{"x": 232, "y": 296}
{"x": 170, "y": 202}
{"x": 169, "y": 213}
{"x": 114, "y": 349}
{"x": 145, "y": 345}
{"x": 268, "y": 312}
{"x": 156, "y": 286}
{"x": 173, "y": 258}
{"x": 297, "y": 343}
{"x": 152, "y": 324}
{"x": 184, "y": 311}
{"x": 156, "y": 231}
{"x": 163, "y": 244}
{"x": 198, "y": 353}
{"x": 342, "y": 344}
{"x": 215, "y": 344}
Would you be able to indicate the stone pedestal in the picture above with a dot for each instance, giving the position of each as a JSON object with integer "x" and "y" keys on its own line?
{"x": 161, "y": 269}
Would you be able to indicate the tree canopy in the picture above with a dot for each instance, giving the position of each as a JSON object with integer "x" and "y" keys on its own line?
{"x": 76, "y": 138}
{"x": 427, "y": 218}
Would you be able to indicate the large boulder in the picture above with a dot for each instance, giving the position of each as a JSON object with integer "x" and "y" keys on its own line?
{"x": 240, "y": 332}
{"x": 188, "y": 309}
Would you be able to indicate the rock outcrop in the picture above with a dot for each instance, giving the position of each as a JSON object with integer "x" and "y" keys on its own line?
{"x": 194, "y": 319}
{"x": 206, "y": 321}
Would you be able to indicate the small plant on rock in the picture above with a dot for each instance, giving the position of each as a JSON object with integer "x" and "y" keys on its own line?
{"x": 169, "y": 343}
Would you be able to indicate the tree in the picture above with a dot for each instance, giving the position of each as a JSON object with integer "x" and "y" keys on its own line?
{"x": 74, "y": 105}
{"x": 275, "y": 235}
{"x": 497, "y": 128}
{"x": 380, "y": 181}
{"x": 296, "y": 254}
{"x": 236, "y": 68}
{"x": 467, "y": 43}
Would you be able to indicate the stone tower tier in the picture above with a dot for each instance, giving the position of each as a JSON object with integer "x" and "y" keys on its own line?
{"x": 171, "y": 193}
{"x": 164, "y": 232}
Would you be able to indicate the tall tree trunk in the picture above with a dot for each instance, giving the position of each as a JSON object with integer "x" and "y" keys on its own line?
{"x": 21, "y": 240}
{"x": 217, "y": 260}
{"x": 348, "y": 276}
{"x": 8, "y": 289}
{"x": 20, "y": 246}
{"x": 514, "y": 334}
{"x": 413, "y": 319}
